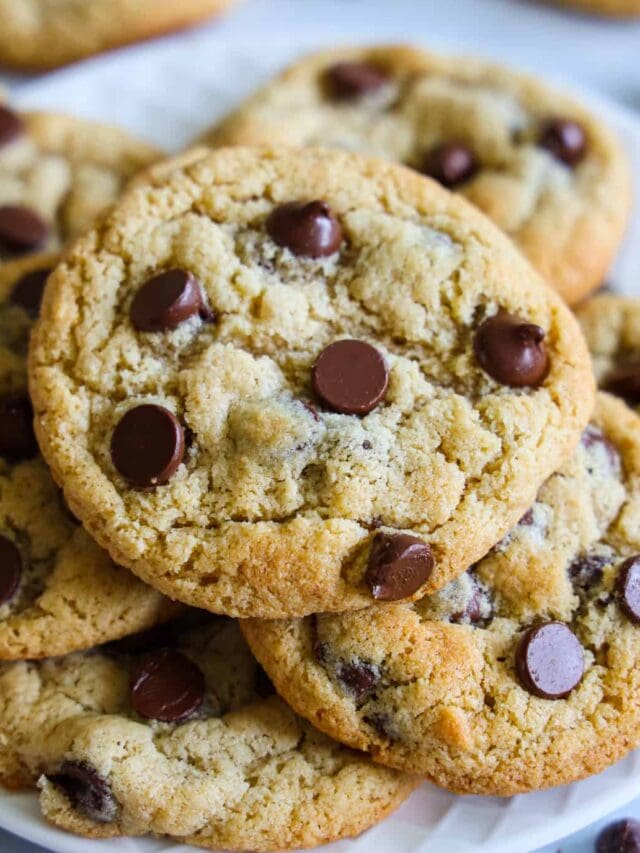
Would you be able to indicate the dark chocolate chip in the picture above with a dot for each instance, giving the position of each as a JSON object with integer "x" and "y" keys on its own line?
{"x": 550, "y": 660}
{"x": 451, "y": 164}
{"x": 21, "y": 229}
{"x": 628, "y": 588}
{"x": 565, "y": 139}
{"x": 478, "y": 607}
{"x": 28, "y": 290}
{"x": 366, "y": 444}
{"x": 10, "y": 569}
{"x": 166, "y": 686}
{"x": 17, "y": 439}
{"x": 350, "y": 377}
{"x": 624, "y": 381}
{"x": 382, "y": 725}
{"x": 263, "y": 684}
{"x": 306, "y": 228}
{"x": 593, "y": 436}
{"x": 512, "y": 351}
{"x": 527, "y": 518}
{"x": 87, "y": 791}
{"x": 346, "y": 81}
{"x": 358, "y": 676}
{"x": 167, "y": 300}
{"x": 147, "y": 445}
{"x": 399, "y": 564}
{"x": 11, "y": 126}
{"x": 586, "y": 570}
{"x": 623, "y": 836}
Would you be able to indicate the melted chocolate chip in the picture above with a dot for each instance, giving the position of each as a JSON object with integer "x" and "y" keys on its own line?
{"x": 147, "y": 445}
{"x": 307, "y": 229}
{"x": 86, "y": 790}
{"x": 17, "y": 439}
{"x": 347, "y": 81}
{"x": 623, "y": 836}
{"x": 10, "y": 569}
{"x": 167, "y": 300}
{"x": 399, "y": 564}
{"x": 565, "y": 139}
{"x": 166, "y": 686}
{"x": 27, "y": 292}
{"x": 550, "y": 660}
{"x": 628, "y": 588}
{"x": 21, "y": 229}
{"x": 624, "y": 381}
{"x": 512, "y": 351}
{"x": 11, "y": 126}
{"x": 586, "y": 570}
{"x": 350, "y": 377}
{"x": 451, "y": 164}
{"x": 358, "y": 676}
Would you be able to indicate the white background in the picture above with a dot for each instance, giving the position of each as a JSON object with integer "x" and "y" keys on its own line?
{"x": 580, "y": 50}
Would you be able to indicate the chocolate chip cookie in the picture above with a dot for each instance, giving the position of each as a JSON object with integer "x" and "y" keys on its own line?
{"x": 274, "y": 383}
{"x": 56, "y": 174}
{"x": 611, "y": 325}
{"x": 41, "y": 34}
{"x": 59, "y": 591}
{"x": 521, "y": 674}
{"x": 548, "y": 173}
{"x": 178, "y": 732}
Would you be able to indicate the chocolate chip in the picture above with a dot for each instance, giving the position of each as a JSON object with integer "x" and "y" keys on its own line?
{"x": 511, "y": 350}
{"x": 166, "y": 300}
{"x": 623, "y": 836}
{"x": 550, "y": 660}
{"x": 263, "y": 684}
{"x": 305, "y": 228}
{"x": 350, "y": 377}
{"x": 28, "y": 290}
{"x": 565, "y": 139}
{"x": 346, "y": 81}
{"x": 593, "y": 437}
{"x": 10, "y": 569}
{"x": 382, "y": 724}
{"x": 628, "y": 588}
{"x": 586, "y": 571}
{"x": 11, "y": 126}
{"x": 17, "y": 439}
{"x": 147, "y": 446}
{"x": 358, "y": 676}
{"x": 399, "y": 564}
{"x": 527, "y": 519}
{"x": 366, "y": 444}
{"x": 21, "y": 229}
{"x": 87, "y": 791}
{"x": 478, "y": 607}
{"x": 624, "y": 381}
{"x": 451, "y": 164}
{"x": 166, "y": 686}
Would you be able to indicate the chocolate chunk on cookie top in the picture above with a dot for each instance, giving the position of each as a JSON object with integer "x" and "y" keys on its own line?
{"x": 487, "y": 685}
{"x": 301, "y": 381}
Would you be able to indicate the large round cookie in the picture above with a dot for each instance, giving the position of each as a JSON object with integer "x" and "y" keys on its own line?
{"x": 548, "y": 173}
{"x": 59, "y": 591}
{"x": 56, "y": 174}
{"x": 522, "y": 674}
{"x": 611, "y": 326}
{"x": 41, "y": 34}
{"x": 248, "y": 400}
{"x": 181, "y": 735}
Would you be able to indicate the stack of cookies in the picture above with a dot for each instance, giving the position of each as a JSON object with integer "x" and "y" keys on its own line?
{"x": 324, "y": 470}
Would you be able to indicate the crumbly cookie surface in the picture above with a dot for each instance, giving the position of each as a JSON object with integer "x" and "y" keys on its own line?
{"x": 503, "y": 140}
{"x": 463, "y": 686}
{"x": 272, "y": 497}
{"x": 59, "y": 591}
{"x": 57, "y": 173}
{"x": 40, "y": 34}
{"x": 240, "y": 771}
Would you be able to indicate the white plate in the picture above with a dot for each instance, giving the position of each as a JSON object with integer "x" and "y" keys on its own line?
{"x": 168, "y": 92}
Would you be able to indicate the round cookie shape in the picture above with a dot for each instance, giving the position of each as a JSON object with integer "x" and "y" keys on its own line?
{"x": 543, "y": 168}
{"x": 611, "y": 326}
{"x": 59, "y": 591}
{"x": 243, "y": 772}
{"x": 57, "y": 173}
{"x": 57, "y": 32}
{"x": 532, "y": 656}
{"x": 280, "y": 493}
